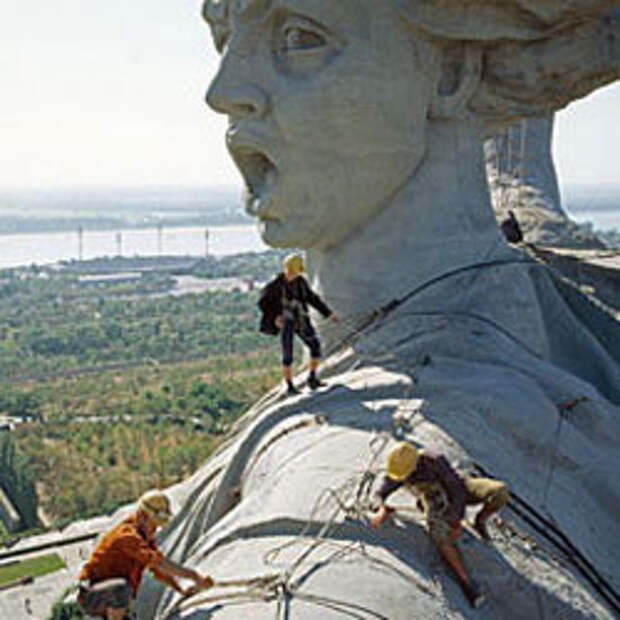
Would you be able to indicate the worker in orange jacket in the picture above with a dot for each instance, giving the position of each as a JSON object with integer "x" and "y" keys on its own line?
{"x": 110, "y": 578}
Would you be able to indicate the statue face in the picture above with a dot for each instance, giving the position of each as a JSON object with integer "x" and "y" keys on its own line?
{"x": 327, "y": 103}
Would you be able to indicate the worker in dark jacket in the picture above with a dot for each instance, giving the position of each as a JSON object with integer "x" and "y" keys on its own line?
{"x": 284, "y": 305}
{"x": 443, "y": 495}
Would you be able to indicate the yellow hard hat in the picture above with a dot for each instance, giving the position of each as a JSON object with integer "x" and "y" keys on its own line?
{"x": 156, "y": 505}
{"x": 294, "y": 263}
{"x": 401, "y": 461}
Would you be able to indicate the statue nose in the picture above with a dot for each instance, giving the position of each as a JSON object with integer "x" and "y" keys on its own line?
{"x": 241, "y": 101}
{"x": 229, "y": 94}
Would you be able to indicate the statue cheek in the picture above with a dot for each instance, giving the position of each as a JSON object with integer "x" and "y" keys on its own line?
{"x": 348, "y": 113}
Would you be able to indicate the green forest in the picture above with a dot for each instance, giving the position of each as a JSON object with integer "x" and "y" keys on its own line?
{"x": 118, "y": 388}
{"x": 50, "y": 322}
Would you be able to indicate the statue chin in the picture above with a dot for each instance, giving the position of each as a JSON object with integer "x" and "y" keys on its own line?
{"x": 271, "y": 233}
{"x": 283, "y": 234}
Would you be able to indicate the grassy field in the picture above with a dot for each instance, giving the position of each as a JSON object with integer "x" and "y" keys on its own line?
{"x": 32, "y": 567}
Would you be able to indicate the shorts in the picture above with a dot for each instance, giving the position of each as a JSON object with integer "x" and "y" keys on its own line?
{"x": 488, "y": 491}
{"x": 491, "y": 493}
{"x": 303, "y": 328}
{"x": 96, "y": 598}
{"x": 436, "y": 507}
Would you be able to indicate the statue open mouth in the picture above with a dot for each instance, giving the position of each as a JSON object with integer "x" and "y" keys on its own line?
{"x": 260, "y": 176}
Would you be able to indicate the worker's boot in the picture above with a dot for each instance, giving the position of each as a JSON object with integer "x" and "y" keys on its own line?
{"x": 291, "y": 390}
{"x": 473, "y": 593}
{"x": 314, "y": 382}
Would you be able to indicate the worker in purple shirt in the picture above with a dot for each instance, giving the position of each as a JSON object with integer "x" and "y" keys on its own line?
{"x": 444, "y": 495}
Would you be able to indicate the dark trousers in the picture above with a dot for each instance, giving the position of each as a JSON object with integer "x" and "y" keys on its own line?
{"x": 303, "y": 328}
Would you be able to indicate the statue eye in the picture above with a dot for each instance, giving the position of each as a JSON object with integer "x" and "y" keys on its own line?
{"x": 297, "y": 39}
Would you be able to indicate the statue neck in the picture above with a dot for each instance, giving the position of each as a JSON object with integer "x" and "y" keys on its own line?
{"x": 439, "y": 221}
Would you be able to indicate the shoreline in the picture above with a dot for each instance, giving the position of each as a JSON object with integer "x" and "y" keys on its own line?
{"x": 44, "y": 225}
{"x": 50, "y": 248}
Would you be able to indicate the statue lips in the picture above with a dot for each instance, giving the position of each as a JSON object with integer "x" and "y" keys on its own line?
{"x": 259, "y": 170}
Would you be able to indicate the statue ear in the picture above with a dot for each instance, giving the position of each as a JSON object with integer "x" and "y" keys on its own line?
{"x": 461, "y": 73}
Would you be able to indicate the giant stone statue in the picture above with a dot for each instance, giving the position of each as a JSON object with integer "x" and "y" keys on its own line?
{"x": 358, "y": 127}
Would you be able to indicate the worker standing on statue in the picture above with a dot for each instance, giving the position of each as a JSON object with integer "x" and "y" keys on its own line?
{"x": 110, "y": 578}
{"x": 284, "y": 305}
{"x": 443, "y": 495}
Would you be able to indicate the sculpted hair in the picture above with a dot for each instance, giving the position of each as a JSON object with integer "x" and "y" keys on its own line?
{"x": 529, "y": 57}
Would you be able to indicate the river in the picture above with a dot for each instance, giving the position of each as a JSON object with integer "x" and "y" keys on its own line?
{"x": 47, "y": 248}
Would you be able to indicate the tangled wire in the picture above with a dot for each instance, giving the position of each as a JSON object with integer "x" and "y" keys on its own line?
{"x": 350, "y": 501}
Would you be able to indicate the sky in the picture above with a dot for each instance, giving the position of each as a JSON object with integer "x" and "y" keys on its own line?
{"x": 111, "y": 94}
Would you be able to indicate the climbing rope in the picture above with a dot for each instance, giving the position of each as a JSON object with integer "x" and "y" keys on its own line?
{"x": 360, "y": 323}
{"x": 368, "y": 324}
{"x": 554, "y": 535}
{"x": 350, "y": 500}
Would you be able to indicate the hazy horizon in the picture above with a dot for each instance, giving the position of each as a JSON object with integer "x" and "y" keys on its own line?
{"x": 54, "y": 209}
{"x": 112, "y": 96}
{"x": 206, "y": 195}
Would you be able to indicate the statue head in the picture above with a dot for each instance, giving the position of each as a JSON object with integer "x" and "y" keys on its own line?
{"x": 330, "y": 102}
